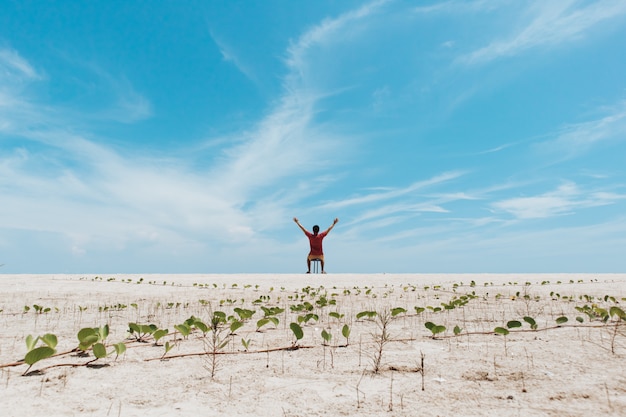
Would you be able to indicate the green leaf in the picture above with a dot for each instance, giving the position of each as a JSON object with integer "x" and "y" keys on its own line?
{"x": 245, "y": 343}
{"x": 274, "y": 320}
{"x": 530, "y": 321}
{"x": 419, "y": 310}
{"x": 201, "y": 326}
{"x": 438, "y": 329}
{"x": 616, "y": 311}
{"x": 31, "y": 342}
{"x": 261, "y": 323}
{"x": 120, "y": 348}
{"x": 297, "y": 330}
{"x": 104, "y": 332}
{"x": 50, "y": 340}
{"x": 235, "y": 325}
{"x": 87, "y": 342}
{"x": 368, "y": 314}
{"x": 311, "y": 316}
{"x": 513, "y": 324}
{"x": 429, "y": 325}
{"x": 579, "y": 319}
{"x": 99, "y": 351}
{"x": 168, "y": 346}
{"x": 335, "y": 315}
{"x": 159, "y": 334}
{"x": 326, "y": 336}
{"x": 345, "y": 331}
{"x": 397, "y": 310}
{"x": 501, "y": 330}
{"x": 244, "y": 314}
{"x": 132, "y": 328}
{"x": 457, "y": 330}
{"x": 561, "y": 320}
{"x": 183, "y": 329}
{"x": 38, "y": 354}
{"x": 85, "y": 333}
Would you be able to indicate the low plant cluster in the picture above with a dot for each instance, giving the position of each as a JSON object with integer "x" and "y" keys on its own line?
{"x": 313, "y": 313}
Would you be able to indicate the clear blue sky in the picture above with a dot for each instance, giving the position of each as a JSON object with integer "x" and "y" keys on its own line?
{"x": 450, "y": 136}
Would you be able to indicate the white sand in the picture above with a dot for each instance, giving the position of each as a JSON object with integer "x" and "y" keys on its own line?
{"x": 566, "y": 371}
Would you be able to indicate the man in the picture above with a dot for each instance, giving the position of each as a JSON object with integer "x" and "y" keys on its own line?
{"x": 315, "y": 241}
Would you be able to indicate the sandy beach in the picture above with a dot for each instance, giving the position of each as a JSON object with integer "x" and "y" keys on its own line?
{"x": 417, "y": 345}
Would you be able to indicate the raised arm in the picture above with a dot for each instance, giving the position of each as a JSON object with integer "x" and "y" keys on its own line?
{"x": 331, "y": 226}
{"x": 300, "y": 226}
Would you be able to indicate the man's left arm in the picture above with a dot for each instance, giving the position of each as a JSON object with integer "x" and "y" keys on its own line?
{"x": 331, "y": 226}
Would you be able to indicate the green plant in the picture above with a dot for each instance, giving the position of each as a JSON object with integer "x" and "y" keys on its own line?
{"x": 35, "y": 354}
{"x": 368, "y": 314}
{"x": 504, "y": 332}
{"x": 380, "y": 339}
{"x": 184, "y": 329}
{"x": 168, "y": 346}
{"x": 435, "y": 329}
{"x": 297, "y": 332}
{"x": 215, "y": 342}
{"x": 245, "y": 343}
{"x": 345, "y": 332}
{"x": 89, "y": 336}
{"x": 159, "y": 334}
{"x": 266, "y": 320}
{"x": 397, "y": 310}
{"x": 335, "y": 315}
{"x": 244, "y": 314}
{"x": 327, "y": 336}
{"x": 531, "y": 322}
{"x": 235, "y": 325}
{"x": 619, "y": 316}
{"x": 307, "y": 317}
{"x": 141, "y": 331}
{"x": 120, "y": 348}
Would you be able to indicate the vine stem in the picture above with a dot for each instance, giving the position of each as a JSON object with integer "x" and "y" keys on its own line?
{"x": 182, "y": 355}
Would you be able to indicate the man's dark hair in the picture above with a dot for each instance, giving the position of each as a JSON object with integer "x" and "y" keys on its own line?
{"x": 316, "y": 229}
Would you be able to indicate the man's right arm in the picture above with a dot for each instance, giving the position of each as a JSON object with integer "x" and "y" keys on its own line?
{"x": 300, "y": 226}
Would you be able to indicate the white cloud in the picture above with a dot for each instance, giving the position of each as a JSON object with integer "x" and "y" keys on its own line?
{"x": 229, "y": 55}
{"x": 460, "y": 7}
{"x": 327, "y": 31}
{"x": 566, "y": 199}
{"x": 99, "y": 197}
{"x": 13, "y": 67}
{"x": 393, "y": 193}
{"x": 552, "y": 23}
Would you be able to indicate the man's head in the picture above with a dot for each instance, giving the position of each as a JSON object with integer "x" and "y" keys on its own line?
{"x": 316, "y": 229}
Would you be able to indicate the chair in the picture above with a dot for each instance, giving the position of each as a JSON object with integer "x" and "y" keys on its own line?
{"x": 315, "y": 265}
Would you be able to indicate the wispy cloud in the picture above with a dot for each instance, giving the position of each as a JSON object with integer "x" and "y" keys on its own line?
{"x": 229, "y": 55}
{"x": 96, "y": 194}
{"x": 566, "y": 199}
{"x": 327, "y": 31}
{"x": 460, "y": 7}
{"x": 551, "y": 24}
{"x": 14, "y": 67}
{"x": 578, "y": 138}
{"x": 393, "y": 193}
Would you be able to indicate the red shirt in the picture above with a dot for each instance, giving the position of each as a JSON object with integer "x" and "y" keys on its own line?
{"x": 316, "y": 243}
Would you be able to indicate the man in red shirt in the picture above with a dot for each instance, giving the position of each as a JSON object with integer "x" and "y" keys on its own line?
{"x": 315, "y": 240}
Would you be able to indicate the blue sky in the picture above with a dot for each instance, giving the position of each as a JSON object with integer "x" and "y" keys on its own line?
{"x": 175, "y": 137}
